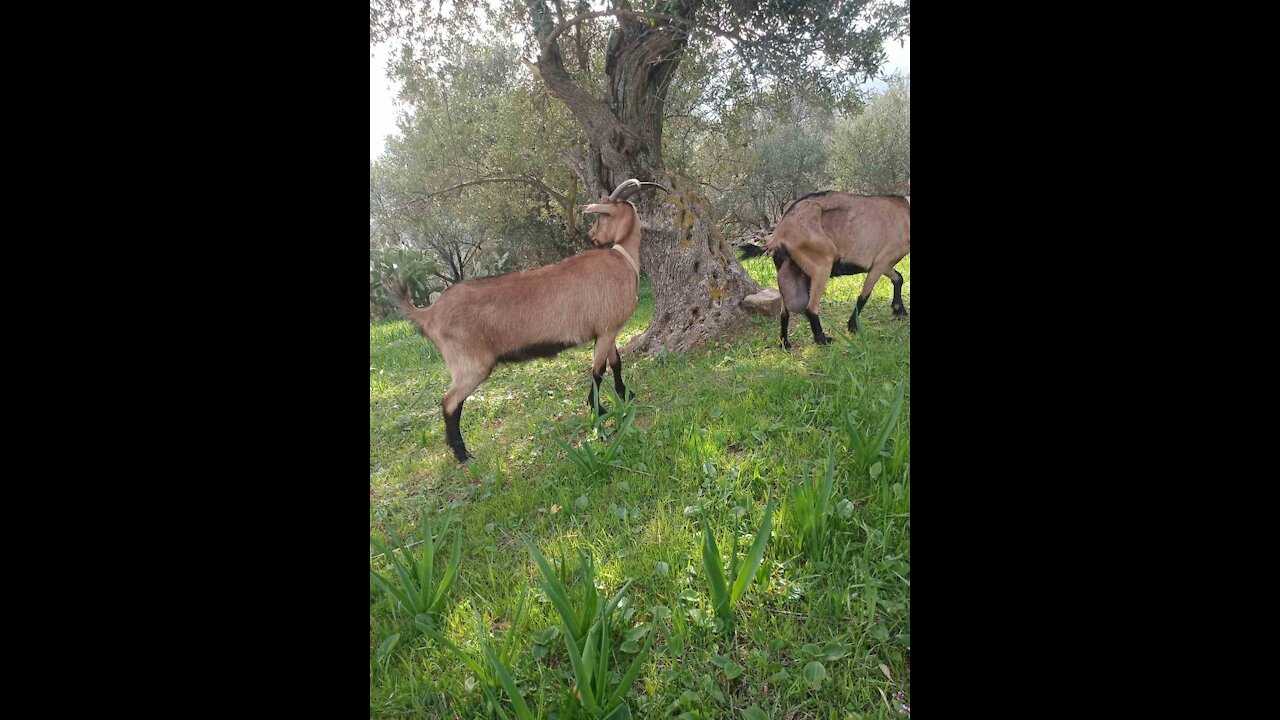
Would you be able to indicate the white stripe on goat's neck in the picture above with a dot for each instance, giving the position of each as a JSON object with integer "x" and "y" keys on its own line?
{"x": 630, "y": 261}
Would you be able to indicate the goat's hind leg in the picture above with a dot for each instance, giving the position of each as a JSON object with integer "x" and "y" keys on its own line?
{"x": 899, "y": 310}
{"x": 793, "y": 284}
{"x": 465, "y": 382}
{"x": 872, "y": 276}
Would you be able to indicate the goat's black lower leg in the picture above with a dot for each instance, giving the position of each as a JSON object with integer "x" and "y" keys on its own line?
{"x": 853, "y": 318}
{"x": 786, "y": 320}
{"x": 593, "y": 396}
{"x": 872, "y": 276}
{"x": 899, "y": 310}
{"x": 453, "y": 434}
{"x": 618, "y": 386}
{"x": 819, "y": 337}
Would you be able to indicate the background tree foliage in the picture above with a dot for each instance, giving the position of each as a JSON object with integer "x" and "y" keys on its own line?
{"x": 871, "y": 151}
{"x": 491, "y": 168}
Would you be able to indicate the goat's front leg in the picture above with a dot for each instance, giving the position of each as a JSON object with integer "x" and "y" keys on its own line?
{"x": 786, "y": 320}
{"x": 819, "y": 337}
{"x": 604, "y": 347}
{"x": 816, "y": 289}
{"x": 615, "y": 361}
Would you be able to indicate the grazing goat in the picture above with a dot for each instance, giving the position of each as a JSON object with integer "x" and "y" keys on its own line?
{"x": 827, "y": 234}
{"x": 538, "y": 313}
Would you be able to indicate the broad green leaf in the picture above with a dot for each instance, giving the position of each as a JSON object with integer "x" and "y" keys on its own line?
{"x": 814, "y": 674}
{"x": 834, "y": 651}
{"x": 387, "y": 645}
{"x": 542, "y": 637}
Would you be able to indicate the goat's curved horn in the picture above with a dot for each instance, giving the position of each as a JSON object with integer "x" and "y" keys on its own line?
{"x": 630, "y": 186}
{"x": 625, "y": 184}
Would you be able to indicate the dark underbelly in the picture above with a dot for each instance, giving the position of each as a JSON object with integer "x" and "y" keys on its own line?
{"x": 535, "y": 351}
{"x": 839, "y": 268}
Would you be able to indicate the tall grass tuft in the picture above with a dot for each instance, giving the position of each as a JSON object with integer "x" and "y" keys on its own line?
{"x": 417, "y": 590}
{"x": 586, "y": 637}
{"x": 494, "y": 668}
{"x": 811, "y": 513}
{"x": 723, "y": 597}
{"x": 589, "y": 462}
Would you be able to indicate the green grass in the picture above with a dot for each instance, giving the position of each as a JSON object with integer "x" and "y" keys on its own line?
{"x": 718, "y": 431}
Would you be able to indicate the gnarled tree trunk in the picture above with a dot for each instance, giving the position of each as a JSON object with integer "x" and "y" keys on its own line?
{"x": 698, "y": 285}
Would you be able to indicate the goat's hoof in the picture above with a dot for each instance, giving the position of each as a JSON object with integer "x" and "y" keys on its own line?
{"x": 462, "y": 455}
{"x": 631, "y": 395}
{"x": 853, "y": 327}
{"x": 900, "y": 312}
{"x": 786, "y": 346}
{"x": 824, "y": 340}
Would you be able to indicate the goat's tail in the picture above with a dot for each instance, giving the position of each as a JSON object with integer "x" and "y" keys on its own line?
{"x": 416, "y": 316}
{"x": 749, "y": 250}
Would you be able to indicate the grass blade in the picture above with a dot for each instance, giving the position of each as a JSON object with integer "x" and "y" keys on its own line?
{"x": 602, "y": 669}
{"x": 715, "y": 574}
{"x": 589, "y": 594}
{"x": 581, "y": 674}
{"x": 826, "y": 489}
{"x": 555, "y": 590}
{"x": 423, "y": 623}
{"x": 450, "y": 572}
{"x": 508, "y": 684}
{"x": 613, "y": 604}
{"x": 589, "y": 658}
{"x": 630, "y": 676}
{"x": 410, "y": 588}
{"x": 508, "y": 643}
{"x": 394, "y": 591}
{"x": 755, "y": 556}
{"x": 891, "y": 420}
{"x": 427, "y": 567}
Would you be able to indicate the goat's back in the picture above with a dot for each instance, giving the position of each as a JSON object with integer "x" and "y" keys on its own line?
{"x": 861, "y": 228}
{"x": 567, "y": 303}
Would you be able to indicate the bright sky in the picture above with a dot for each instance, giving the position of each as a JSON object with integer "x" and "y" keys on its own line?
{"x": 382, "y": 92}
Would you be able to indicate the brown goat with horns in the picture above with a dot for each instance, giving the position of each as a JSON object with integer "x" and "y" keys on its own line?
{"x": 538, "y": 313}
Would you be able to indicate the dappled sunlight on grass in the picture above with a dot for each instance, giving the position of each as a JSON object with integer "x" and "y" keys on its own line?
{"x": 717, "y": 431}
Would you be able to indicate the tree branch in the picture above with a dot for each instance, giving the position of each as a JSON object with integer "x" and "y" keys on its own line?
{"x": 485, "y": 181}
{"x": 558, "y": 30}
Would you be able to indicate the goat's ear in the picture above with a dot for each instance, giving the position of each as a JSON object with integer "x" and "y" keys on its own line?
{"x": 600, "y": 208}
